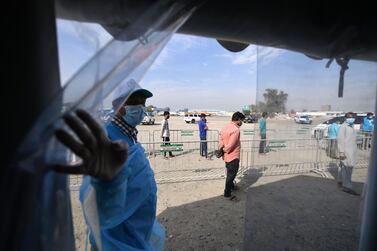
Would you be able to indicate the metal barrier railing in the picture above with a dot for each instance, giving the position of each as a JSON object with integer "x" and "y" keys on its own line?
{"x": 298, "y": 133}
{"x": 184, "y": 135}
{"x": 284, "y": 156}
{"x": 145, "y": 136}
{"x": 187, "y": 163}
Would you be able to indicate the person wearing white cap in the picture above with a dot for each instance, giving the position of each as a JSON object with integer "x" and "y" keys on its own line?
{"x": 118, "y": 200}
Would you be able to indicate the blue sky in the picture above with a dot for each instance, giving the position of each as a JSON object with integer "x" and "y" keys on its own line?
{"x": 195, "y": 72}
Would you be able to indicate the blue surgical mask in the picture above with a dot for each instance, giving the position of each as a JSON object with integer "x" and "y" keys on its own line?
{"x": 350, "y": 121}
{"x": 134, "y": 114}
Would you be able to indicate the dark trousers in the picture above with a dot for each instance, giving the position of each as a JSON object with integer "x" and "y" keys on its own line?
{"x": 167, "y": 140}
{"x": 262, "y": 144}
{"x": 332, "y": 148}
{"x": 231, "y": 173}
{"x": 203, "y": 148}
{"x": 367, "y": 140}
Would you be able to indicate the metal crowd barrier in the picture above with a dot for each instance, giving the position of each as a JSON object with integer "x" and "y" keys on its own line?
{"x": 283, "y": 156}
{"x": 297, "y": 133}
{"x": 184, "y": 135}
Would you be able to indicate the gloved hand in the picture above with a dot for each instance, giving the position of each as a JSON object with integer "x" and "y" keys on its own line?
{"x": 102, "y": 158}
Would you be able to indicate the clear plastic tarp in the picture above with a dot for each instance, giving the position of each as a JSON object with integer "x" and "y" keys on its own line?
{"x": 290, "y": 84}
{"x": 100, "y": 79}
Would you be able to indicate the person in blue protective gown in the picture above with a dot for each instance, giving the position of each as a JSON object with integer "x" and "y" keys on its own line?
{"x": 367, "y": 129}
{"x": 121, "y": 213}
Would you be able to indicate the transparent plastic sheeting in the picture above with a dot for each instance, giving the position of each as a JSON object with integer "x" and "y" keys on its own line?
{"x": 290, "y": 82}
{"x": 102, "y": 76}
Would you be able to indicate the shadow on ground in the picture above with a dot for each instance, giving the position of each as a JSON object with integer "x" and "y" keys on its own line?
{"x": 302, "y": 212}
{"x": 211, "y": 224}
{"x": 333, "y": 169}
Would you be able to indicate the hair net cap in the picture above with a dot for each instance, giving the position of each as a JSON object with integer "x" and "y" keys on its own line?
{"x": 127, "y": 89}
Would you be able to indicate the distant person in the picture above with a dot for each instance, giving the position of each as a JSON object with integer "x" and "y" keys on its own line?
{"x": 230, "y": 141}
{"x": 263, "y": 133}
{"x": 332, "y": 133}
{"x": 347, "y": 147}
{"x": 368, "y": 127}
{"x": 165, "y": 132}
{"x": 203, "y": 128}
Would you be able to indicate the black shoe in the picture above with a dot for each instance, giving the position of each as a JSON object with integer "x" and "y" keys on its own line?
{"x": 350, "y": 191}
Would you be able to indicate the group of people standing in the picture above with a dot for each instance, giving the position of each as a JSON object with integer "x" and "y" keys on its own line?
{"x": 342, "y": 145}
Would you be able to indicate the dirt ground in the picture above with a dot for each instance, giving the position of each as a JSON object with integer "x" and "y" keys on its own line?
{"x": 282, "y": 212}
{"x": 292, "y": 212}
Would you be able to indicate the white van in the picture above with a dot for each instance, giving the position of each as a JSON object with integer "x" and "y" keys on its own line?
{"x": 303, "y": 119}
{"x": 148, "y": 119}
{"x": 192, "y": 118}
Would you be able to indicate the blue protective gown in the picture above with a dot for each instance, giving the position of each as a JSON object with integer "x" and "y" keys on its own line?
{"x": 121, "y": 214}
{"x": 368, "y": 125}
{"x": 332, "y": 131}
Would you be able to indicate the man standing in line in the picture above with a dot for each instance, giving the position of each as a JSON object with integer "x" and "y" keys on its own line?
{"x": 347, "y": 147}
{"x": 230, "y": 142}
{"x": 262, "y": 133}
{"x": 165, "y": 132}
{"x": 203, "y": 135}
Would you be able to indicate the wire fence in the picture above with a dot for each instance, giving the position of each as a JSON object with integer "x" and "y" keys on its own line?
{"x": 283, "y": 156}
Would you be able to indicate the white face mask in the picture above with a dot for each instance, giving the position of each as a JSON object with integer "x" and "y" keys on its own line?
{"x": 134, "y": 114}
{"x": 350, "y": 121}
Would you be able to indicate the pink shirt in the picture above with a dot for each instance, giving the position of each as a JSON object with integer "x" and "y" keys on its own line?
{"x": 230, "y": 139}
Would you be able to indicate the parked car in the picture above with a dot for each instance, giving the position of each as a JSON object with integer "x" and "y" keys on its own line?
{"x": 320, "y": 130}
{"x": 252, "y": 118}
{"x": 303, "y": 119}
{"x": 148, "y": 119}
{"x": 192, "y": 118}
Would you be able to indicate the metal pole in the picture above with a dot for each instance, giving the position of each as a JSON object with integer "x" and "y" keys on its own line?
{"x": 368, "y": 237}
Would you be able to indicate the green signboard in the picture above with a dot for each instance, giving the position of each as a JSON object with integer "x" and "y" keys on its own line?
{"x": 171, "y": 147}
{"x": 277, "y": 144}
{"x": 248, "y": 132}
{"x": 187, "y": 133}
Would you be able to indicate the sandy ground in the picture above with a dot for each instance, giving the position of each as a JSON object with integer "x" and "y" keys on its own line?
{"x": 300, "y": 212}
{"x": 281, "y": 212}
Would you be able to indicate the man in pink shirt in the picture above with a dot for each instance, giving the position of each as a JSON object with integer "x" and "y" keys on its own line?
{"x": 230, "y": 141}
